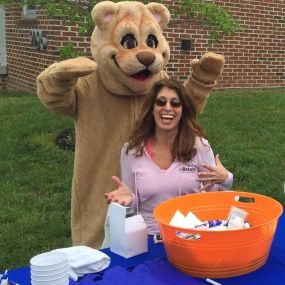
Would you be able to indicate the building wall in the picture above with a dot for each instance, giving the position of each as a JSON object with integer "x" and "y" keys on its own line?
{"x": 3, "y": 83}
{"x": 26, "y": 62}
{"x": 255, "y": 56}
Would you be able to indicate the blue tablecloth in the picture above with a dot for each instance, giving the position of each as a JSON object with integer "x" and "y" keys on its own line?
{"x": 273, "y": 272}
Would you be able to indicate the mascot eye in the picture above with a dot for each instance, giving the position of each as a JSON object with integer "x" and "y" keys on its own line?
{"x": 151, "y": 41}
{"x": 129, "y": 41}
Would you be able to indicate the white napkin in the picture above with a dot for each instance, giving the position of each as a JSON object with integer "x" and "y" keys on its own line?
{"x": 83, "y": 260}
{"x": 188, "y": 222}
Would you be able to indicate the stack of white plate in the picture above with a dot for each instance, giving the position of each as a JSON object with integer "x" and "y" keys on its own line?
{"x": 50, "y": 268}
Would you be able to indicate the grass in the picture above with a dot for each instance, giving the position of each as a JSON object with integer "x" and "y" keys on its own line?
{"x": 35, "y": 180}
{"x": 247, "y": 129}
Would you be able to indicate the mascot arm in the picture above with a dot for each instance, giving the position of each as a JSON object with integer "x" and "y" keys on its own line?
{"x": 57, "y": 84}
{"x": 203, "y": 78}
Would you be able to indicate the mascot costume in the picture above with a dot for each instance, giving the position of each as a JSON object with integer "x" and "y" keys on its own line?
{"x": 104, "y": 97}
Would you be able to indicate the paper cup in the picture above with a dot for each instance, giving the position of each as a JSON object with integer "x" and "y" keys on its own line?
{"x": 49, "y": 280}
{"x": 49, "y": 261}
{"x": 48, "y": 275}
{"x": 60, "y": 270}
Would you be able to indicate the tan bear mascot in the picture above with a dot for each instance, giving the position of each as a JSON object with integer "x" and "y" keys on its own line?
{"x": 104, "y": 98}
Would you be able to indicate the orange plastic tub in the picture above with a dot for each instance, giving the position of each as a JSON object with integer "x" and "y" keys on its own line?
{"x": 219, "y": 254}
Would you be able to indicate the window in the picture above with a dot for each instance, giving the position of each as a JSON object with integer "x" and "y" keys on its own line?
{"x": 29, "y": 12}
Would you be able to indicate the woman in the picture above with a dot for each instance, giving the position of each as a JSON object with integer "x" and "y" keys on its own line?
{"x": 166, "y": 153}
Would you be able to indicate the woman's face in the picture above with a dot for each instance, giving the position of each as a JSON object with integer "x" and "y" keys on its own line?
{"x": 167, "y": 110}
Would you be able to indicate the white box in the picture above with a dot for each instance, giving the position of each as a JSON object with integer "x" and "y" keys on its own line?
{"x": 128, "y": 236}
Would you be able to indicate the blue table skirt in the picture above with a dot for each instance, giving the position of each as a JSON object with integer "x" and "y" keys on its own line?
{"x": 273, "y": 272}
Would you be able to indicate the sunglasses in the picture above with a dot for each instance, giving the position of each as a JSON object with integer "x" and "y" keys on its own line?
{"x": 175, "y": 103}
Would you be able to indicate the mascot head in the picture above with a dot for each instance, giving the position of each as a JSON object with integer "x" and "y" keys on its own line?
{"x": 128, "y": 45}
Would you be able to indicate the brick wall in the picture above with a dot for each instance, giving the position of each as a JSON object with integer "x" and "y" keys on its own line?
{"x": 25, "y": 62}
{"x": 255, "y": 56}
{"x": 3, "y": 82}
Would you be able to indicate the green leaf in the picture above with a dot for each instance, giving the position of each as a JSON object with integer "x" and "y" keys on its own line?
{"x": 68, "y": 51}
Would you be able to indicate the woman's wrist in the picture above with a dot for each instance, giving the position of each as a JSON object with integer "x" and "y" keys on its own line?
{"x": 228, "y": 182}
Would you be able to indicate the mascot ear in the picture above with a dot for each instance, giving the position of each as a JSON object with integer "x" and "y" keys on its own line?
{"x": 160, "y": 13}
{"x": 103, "y": 13}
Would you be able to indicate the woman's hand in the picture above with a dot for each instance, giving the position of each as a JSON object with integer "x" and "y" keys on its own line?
{"x": 122, "y": 195}
{"x": 217, "y": 174}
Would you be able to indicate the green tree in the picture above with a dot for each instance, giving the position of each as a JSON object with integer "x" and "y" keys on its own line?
{"x": 213, "y": 18}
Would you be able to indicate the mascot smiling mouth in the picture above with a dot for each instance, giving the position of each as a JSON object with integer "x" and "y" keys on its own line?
{"x": 141, "y": 75}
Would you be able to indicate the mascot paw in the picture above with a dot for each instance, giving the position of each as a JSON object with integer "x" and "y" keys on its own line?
{"x": 66, "y": 73}
{"x": 73, "y": 68}
{"x": 209, "y": 68}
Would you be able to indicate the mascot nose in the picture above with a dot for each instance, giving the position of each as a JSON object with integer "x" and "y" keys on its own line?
{"x": 146, "y": 58}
